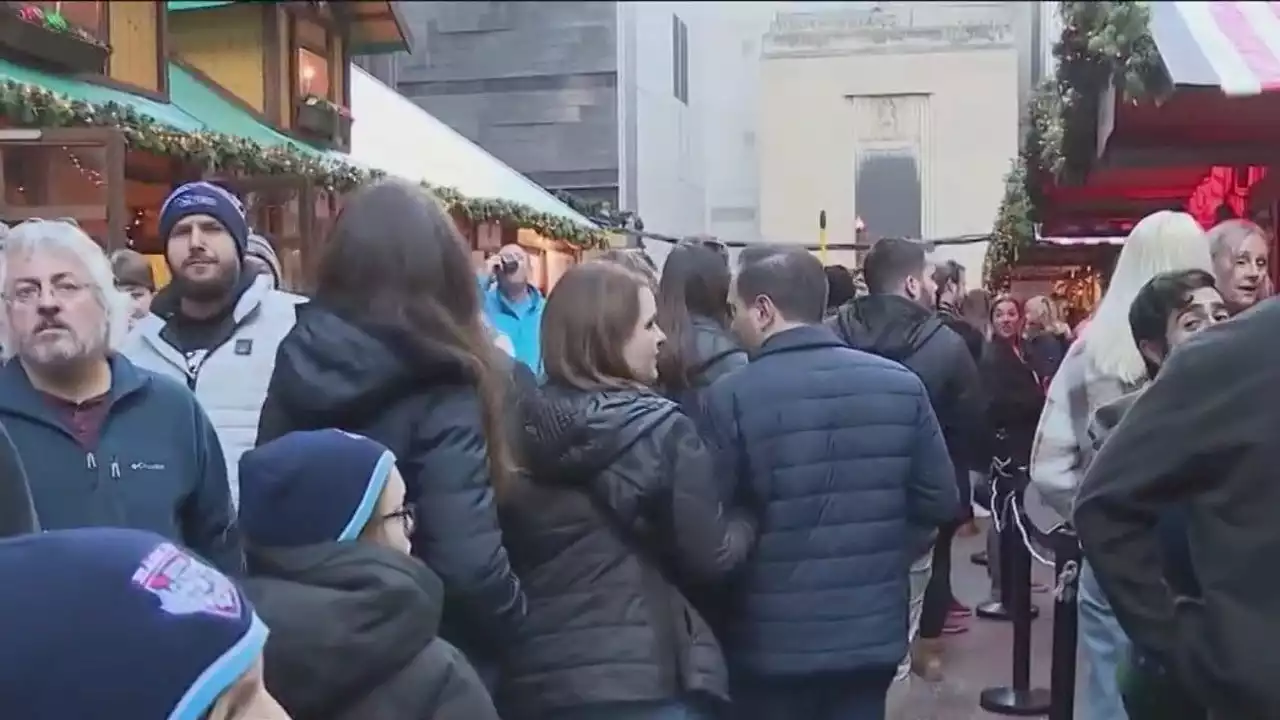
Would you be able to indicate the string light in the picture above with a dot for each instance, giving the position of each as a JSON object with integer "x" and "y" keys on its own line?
{"x": 87, "y": 173}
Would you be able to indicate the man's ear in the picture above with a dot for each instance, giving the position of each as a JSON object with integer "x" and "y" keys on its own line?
{"x": 1154, "y": 352}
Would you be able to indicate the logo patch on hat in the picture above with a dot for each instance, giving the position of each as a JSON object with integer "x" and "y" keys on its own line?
{"x": 187, "y": 586}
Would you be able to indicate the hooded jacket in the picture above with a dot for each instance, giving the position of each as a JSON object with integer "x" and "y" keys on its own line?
{"x": 898, "y": 329}
{"x": 1202, "y": 435}
{"x": 353, "y": 636}
{"x": 621, "y": 503}
{"x": 712, "y": 354}
{"x": 423, "y": 405}
{"x": 17, "y": 511}
{"x": 230, "y": 378}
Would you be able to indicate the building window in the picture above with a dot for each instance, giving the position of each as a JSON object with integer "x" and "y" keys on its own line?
{"x": 887, "y": 192}
{"x": 313, "y": 74}
{"x": 680, "y": 59}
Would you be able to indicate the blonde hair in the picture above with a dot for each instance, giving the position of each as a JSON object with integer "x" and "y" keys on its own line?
{"x": 1226, "y": 235}
{"x": 1164, "y": 241}
{"x": 33, "y": 236}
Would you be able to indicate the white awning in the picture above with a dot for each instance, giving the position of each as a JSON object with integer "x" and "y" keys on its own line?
{"x": 392, "y": 134}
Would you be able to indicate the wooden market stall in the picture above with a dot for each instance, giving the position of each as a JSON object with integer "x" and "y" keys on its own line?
{"x": 1154, "y": 106}
{"x": 125, "y": 101}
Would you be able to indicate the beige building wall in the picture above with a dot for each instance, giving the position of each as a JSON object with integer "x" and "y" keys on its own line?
{"x": 831, "y": 87}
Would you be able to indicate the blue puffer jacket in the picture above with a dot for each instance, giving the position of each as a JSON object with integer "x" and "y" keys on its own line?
{"x": 840, "y": 454}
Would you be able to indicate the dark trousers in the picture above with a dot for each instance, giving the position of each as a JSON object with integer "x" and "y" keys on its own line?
{"x": 858, "y": 695}
{"x": 937, "y": 596}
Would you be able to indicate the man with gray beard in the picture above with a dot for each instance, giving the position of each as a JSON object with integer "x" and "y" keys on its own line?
{"x": 105, "y": 443}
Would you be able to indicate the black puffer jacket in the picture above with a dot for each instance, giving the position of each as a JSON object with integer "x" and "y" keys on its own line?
{"x": 353, "y": 637}
{"x": 423, "y": 406}
{"x": 711, "y": 354}
{"x": 622, "y": 499}
{"x": 898, "y": 329}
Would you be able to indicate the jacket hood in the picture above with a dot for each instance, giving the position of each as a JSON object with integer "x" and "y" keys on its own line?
{"x": 886, "y": 325}
{"x": 344, "y": 619}
{"x": 711, "y": 343}
{"x": 571, "y": 435}
{"x": 331, "y": 370}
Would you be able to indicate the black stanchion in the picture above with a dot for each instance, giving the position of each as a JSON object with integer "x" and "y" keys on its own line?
{"x": 1062, "y": 673}
{"x": 1018, "y": 698}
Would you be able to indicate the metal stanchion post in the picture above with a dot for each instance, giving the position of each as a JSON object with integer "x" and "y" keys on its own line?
{"x": 1062, "y": 673}
{"x": 1018, "y": 698}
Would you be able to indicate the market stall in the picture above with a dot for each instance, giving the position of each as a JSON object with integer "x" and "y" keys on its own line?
{"x": 396, "y": 136}
{"x": 1153, "y": 106}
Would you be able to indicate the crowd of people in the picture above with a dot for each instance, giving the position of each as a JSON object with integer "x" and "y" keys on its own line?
{"x": 722, "y": 489}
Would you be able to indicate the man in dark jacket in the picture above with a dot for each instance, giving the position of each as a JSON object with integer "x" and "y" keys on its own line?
{"x": 1170, "y": 309}
{"x": 1202, "y": 434}
{"x": 104, "y": 442}
{"x": 895, "y": 322}
{"x": 839, "y": 453}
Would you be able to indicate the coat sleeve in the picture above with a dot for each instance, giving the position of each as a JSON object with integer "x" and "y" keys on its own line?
{"x": 458, "y": 534}
{"x": 932, "y": 496}
{"x": 1188, "y": 429}
{"x": 718, "y": 420}
{"x": 708, "y": 541}
{"x": 969, "y": 399}
{"x": 209, "y": 524}
{"x": 1056, "y": 460}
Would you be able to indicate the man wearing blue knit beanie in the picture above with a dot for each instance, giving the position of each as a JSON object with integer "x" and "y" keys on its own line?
{"x": 353, "y": 615}
{"x": 117, "y": 623}
{"x": 216, "y": 327}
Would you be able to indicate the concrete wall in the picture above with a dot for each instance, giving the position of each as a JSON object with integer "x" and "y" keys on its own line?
{"x": 938, "y": 80}
{"x": 535, "y": 84}
{"x": 663, "y": 143}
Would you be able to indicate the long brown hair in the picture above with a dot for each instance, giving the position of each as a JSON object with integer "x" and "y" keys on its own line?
{"x": 395, "y": 258}
{"x": 588, "y": 318}
{"x": 695, "y": 281}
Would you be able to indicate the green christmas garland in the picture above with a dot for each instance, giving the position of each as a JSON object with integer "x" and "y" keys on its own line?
{"x": 26, "y": 105}
{"x": 1100, "y": 42}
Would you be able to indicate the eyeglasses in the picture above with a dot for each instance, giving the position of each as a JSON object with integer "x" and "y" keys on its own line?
{"x": 61, "y": 290}
{"x": 407, "y": 514}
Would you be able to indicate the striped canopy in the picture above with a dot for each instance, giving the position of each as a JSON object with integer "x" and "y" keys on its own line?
{"x": 1234, "y": 46}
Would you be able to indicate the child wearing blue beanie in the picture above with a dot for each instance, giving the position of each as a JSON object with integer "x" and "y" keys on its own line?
{"x": 117, "y": 623}
{"x": 354, "y": 616}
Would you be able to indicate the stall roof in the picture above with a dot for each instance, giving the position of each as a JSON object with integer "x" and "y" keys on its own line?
{"x": 391, "y": 133}
{"x": 1234, "y": 46}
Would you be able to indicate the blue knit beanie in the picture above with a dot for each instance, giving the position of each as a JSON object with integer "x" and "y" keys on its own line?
{"x": 202, "y": 198}
{"x": 311, "y": 487}
{"x": 112, "y": 622}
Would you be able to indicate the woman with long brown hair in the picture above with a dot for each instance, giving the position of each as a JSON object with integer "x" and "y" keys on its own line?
{"x": 693, "y": 310}
{"x": 622, "y": 513}
{"x": 392, "y": 346}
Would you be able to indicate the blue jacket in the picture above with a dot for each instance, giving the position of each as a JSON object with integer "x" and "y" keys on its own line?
{"x": 157, "y": 465}
{"x": 842, "y": 458}
{"x": 522, "y": 325}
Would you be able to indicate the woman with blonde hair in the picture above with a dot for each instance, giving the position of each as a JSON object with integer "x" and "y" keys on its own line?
{"x": 1047, "y": 337}
{"x": 1101, "y": 366}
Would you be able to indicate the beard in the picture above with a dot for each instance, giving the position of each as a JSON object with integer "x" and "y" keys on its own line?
{"x": 215, "y": 287}
{"x": 58, "y": 355}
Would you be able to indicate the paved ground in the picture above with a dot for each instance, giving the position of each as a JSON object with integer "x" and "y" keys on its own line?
{"x": 981, "y": 657}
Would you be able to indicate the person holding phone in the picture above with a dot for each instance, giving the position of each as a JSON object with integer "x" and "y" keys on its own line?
{"x": 513, "y": 306}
